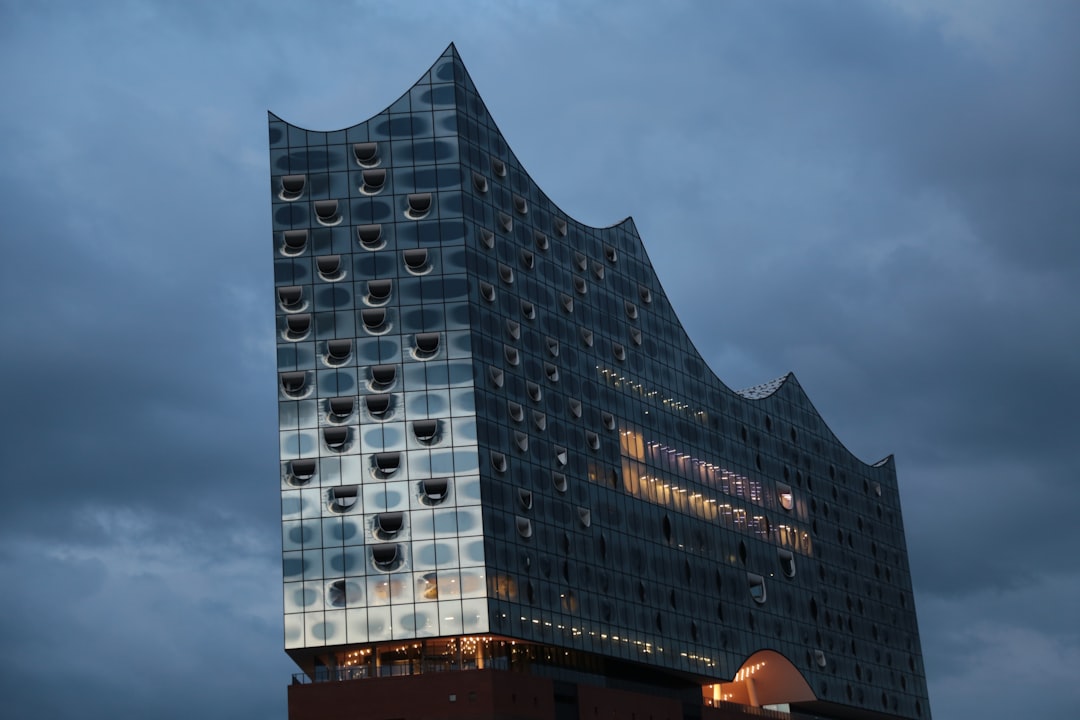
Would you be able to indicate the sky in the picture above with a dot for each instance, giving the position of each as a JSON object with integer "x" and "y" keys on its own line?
{"x": 882, "y": 197}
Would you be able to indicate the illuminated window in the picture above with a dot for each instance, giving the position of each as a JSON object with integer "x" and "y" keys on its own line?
{"x": 787, "y": 500}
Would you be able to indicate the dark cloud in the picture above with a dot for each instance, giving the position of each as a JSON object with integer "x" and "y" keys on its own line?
{"x": 880, "y": 197}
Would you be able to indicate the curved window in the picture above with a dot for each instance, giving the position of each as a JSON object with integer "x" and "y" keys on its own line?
{"x": 383, "y": 376}
{"x": 561, "y": 455}
{"x": 419, "y": 205}
{"x": 513, "y": 329}
{"x": 338, "y": 351}
{"x": 618, "y": 351}
{"x": 539, "y": 420}
{"x": 291, "y": 298}
{"x": 377, "y": 405}
{"x": 301, "y": 471}
{"x": 293, "y": 242}
{"x": 580, "y": 285}
{"x": 506, "y": 222}
{"x": 645, "y": 294}
{"x": 388, "y": 524}
{"x": 592, "y": 440}
{"x": 635, "y": 336}
{"x": 498, "y": 167}
{"x": 294, "y": 384}
{"x": 559, "y": 481}
{"x": 756, "y": 584}
{"x": 496, "y": 376}
{"x": 521, "y": 205}
{"x": 552, "y": 372}
{"x": 427, "y": 345}
{"x": 560, "y": 226}
{"x": 581, "y": 261}
{"x": 416, "y": 261}
{"x": 631, "y": 310}
{"x": 292, "y": 186}
{"x": 784, "y": 495}
{"x": 387, "y": 463}
{"x": 819, "y": 658}
{"x": 528, "y": 260}
{"x": 426, "y": 431}
{"x": 297, "y": 326}
{"x": 341, "y": 408}
{"x": 374, "y": 180}
{"x": 584, "y": 517}
{"x": 479, "y": 182}
{"x": 366, "y": 154}
{"x": 386, "y": 556}
{"x": 498, "y": 462}
{"x": 341, "y": 594}
{"x": 515, "y": 411}
{"x": 487, "y": 291}
{"x": 534, "y": 391}
{"x": 541, "y": 240}
{"x": 608, "y": 419}
{"x": 587, "y": 337}
{"x": 553, "y": 347}
{"x": 506, "y": 273}
{"x": 337, "y": 438}
{"x": 329, "y": 267}
{"x": 511, "y": 355}
{"x": 373, "y": 318}
{"x": 326, "y": 212}
{"x": 525, "y": 499}
{"x": 343, "y": 498}
{"x": 435, "y": 490}
{"x": 378, "y": 291}
{"x": 528, "y": 310}
{"x": 487, "y": 238}
{"x": 521, "y": 440}
{"x": 598, "y": 270}
{"x": 567, "y": 302}
{"x": 370, "y": 237}
{"x": 574, "y": 406}
{"x": 610, "y": 254}
{"x": 524, "y": 527}
{"x": 787, "y": 562}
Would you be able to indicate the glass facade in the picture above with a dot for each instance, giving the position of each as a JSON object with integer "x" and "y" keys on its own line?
{"x": 492, "y": 422}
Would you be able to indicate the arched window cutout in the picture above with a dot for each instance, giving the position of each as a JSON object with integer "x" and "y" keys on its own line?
{"x": 487, "y": 238}
{"x": 567, "y": 302}
{"x": 374, "y": 180}
{"x": 521, "y": 440}
{"x": 528, "y": 260}
{"x": 521, "y": 205}
{"x": 592, "y": 440}
{"x": 326, "y": 212}
{"x": 373, "y": 317}
{"x": 479, "y": 182}
{"x": 340, "y": 594}
{"x": 329, "y": 267}
{"x": 511, "y": 355}
{"x": 541, "y": 240}
{"x": 370, "y": 237}
{"x": 559, "y": 481}
{"x": 386, "y": 556}
{"x": 552, "y": 372}
{"x": 419, "y": 205}
{"x": 506, "y": 273}
{"x": 427, "y": 344}
{"x": 574, "y": 406}
{"x": 513, "y": 329}
{"x": 337, "y": 438}
{"x": 581, "y": 261}
{"x": 293, "y": 242}
{"x": 756, "y": 584}
{"x": 294, "y": 384}
{"x": 533, "y": 390}
{"x": 608, "y": 420}
{"x": 598, "y": 270}
{"x": 338, "y": 352}
{"x": 341, "y": 408}
{"x": 387, "y": 463}
{"x": 587, "y": 337}
{"x": 389, "y": 524}
{"x": 506, "y": 222}
{"x": 787, "y": 500}
{"x": 584, "y": 517}
{"x": 297, "y": 326}
{"x": 416, "y": 261}
{"x": 525, "y": 498}
{"x": 291, "y": 297}
{"x": 434, "y": 490}
{"x": 618, "y": 351}
{"x": 343, "y": 498}
{"x": 498, "y": 167}
{"x": 524, "y": 527}
{"x": 553, "y": 347}
{"x": 379, "y": 291}
{"x": 426, "y": 431}
{"x": 561, "y": 456}
{"x": 292, "y": 186}
{"x": 383, "y": 376}
{"x": 487, "y": 291}
{"x": 528, "y": 310}
{"x": 498, "y": 461}
{"x": 366, "y": 154}
{"x": 631, "y": 310}
{"x": 635, "y": 336}
{"x": 560, "y": 226}
{"x": 610, "y": 254}
{"x": 515, "y": 411}
{"x": 302, "y": 471}
{"x": 377, "y": 405}
{"x": 496, "y": 376}
{"x": 645, "y": 294}
{"x": 539, "y": 420}
{"x": 819, "y": 659}
{"x": 787, "y": 562}
{"x": 580, "y": 285}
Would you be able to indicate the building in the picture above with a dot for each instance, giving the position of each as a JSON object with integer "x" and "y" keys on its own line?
{"x": 510, "y": 485}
